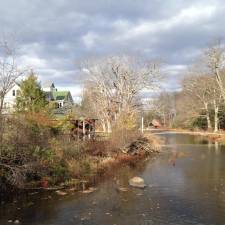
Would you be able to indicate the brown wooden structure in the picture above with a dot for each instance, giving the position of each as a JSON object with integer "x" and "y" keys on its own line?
{"x": 83, "y": 128}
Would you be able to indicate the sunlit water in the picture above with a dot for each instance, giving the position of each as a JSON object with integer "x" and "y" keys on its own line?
{"x": 185, "y": 185}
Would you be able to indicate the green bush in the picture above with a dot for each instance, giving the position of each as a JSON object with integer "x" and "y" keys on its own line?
{"x": 199, "y": 122}
{"x": 43, "y": 154}
{"x": 59, "y": 173}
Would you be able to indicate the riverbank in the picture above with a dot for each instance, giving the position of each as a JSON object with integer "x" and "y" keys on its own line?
{"x": 219, "y": 136}
{"x": 100, "y": 160}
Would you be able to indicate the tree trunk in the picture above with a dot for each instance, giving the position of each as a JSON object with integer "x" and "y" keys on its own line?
{"x": 164, "y": 119}
{"x": 170, "y": 120}
{"x": 208, "y": 121}
{"x": 1, "y": 104}
{"x": 209, "y": 125}
{"x": 103, "y": 126}
{"x": 219, "y": 82}
{"x": 216, "y": 119}
{"x": 109, "y": 128}
{"x": 1, "y": 118}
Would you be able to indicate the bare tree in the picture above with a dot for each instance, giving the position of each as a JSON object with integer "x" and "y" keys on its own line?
{"x": 9, "y": 72}
{"x": 164, "y": 106}
{"x": 116, "y": 83}
{"x": 215, "y": 60}
{"x": 199, "y": 87}
{"x": 187, "y": 108}
{"x": 216, "y": 101}
{"x": 204, "y": 89}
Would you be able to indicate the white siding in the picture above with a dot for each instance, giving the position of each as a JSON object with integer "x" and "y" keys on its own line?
{"x": 10, "y": 98}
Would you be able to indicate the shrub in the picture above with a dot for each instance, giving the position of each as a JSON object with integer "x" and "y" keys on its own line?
{"x": 121, "y": 137}
{"x": 199, "y": 122}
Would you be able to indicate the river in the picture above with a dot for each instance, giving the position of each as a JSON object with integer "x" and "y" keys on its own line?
{"x": 185, "y": 186}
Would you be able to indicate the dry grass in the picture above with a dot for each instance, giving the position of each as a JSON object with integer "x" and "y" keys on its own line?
{"x": 35, "y": 153}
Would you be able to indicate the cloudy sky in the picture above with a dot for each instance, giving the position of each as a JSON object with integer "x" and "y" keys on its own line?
{"x": 54, "y": 35}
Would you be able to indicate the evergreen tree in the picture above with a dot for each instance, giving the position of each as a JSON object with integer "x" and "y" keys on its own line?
{"x": 30, "y": 98}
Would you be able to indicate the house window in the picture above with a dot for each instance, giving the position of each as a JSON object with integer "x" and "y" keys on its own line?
{"x": 14, "y": 93}
{"x": 60, "y": 105}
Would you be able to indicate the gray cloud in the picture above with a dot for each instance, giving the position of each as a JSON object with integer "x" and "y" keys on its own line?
{"x": 53, "y": 35}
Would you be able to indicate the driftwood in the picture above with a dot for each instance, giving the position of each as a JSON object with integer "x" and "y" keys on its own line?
{"x": 16, "y": 173}
{"x": 142, "y": 144}
{"x": 43, "y": 188}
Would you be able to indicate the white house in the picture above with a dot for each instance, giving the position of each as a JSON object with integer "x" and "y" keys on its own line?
{"x": 62, "y": 99}
{"x": 10, "y": 99}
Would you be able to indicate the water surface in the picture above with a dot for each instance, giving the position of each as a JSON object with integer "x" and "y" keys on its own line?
{"x": 185, "y": 185}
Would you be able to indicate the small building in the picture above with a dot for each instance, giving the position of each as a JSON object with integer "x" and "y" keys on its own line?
{"x": 83, "y": 128}
{"x": 155, "y": 123}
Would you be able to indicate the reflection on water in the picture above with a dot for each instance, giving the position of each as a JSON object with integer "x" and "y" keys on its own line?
{"x": 189, "y": 191}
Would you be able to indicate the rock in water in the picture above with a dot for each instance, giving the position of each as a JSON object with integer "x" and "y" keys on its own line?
{"x": 89, "y": 190}
{"x": 137, "y": 182}
{"x": 122, "y": 189}
{"x": 61, "y": 193}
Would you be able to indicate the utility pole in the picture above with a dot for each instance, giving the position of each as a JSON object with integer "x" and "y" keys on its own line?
{"x": 142, "y": 124}
{"x": 84, "y": 133}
